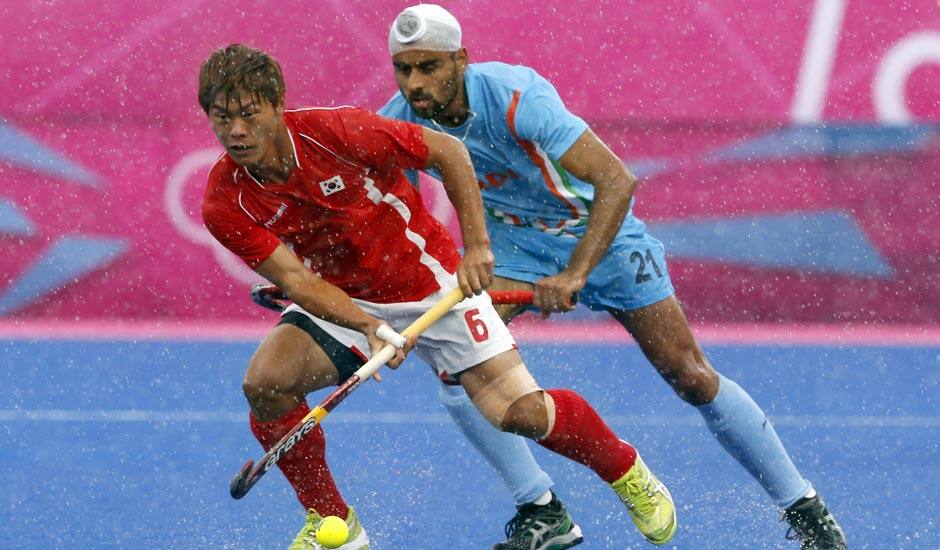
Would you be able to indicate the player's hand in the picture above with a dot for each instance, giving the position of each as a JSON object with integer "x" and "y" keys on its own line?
{"x": 556, "y": 293}
{"x": 376, "y": 344}
{"x": 475, "y": 273}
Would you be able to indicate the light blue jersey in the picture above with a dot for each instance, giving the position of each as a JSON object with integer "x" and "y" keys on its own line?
{"x": 537, "y": 214}
{"x": 516, "y": 133}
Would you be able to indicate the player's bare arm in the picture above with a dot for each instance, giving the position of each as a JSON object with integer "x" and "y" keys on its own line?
{"x": 590, "y": 160}
{"x": 449, "y": 156}
{"x": 322, "y": 299}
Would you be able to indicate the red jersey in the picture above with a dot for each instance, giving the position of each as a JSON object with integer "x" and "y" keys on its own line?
{"x": 347, "y": 211}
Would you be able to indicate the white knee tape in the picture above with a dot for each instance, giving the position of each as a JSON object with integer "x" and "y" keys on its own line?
{"x": 495, "y": 398}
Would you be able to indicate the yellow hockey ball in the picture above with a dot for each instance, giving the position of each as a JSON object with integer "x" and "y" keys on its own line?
{"x": 332, "y": 532}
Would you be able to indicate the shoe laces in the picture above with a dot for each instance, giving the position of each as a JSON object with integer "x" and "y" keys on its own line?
{"x": 519, "y": 524}
{"x": 532, "y": 522}
{"x": 643, "y": 494}
{"x": 313, "y": 521}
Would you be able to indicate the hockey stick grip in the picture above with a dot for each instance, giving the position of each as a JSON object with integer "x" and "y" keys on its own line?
{"x": 519, "y": 297}
{"x": 511, "y": 296}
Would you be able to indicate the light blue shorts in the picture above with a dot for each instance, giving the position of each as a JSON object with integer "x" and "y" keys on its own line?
{"x": 631, "y": 275}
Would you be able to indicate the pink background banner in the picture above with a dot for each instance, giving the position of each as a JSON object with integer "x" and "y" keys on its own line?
{"x": 787, "y": 150}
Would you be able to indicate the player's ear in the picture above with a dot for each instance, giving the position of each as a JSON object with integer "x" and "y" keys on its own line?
{"x": 279, "y": 108}
{"x": 461, "y": 59}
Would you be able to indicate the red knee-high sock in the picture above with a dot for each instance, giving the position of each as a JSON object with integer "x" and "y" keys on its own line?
{"x": 304, "y": 466}
{"x": 581, "y": 434}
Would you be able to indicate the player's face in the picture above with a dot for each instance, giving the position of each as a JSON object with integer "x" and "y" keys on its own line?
{"x": 429, "y": 80}
{"x": 246, "y": 126}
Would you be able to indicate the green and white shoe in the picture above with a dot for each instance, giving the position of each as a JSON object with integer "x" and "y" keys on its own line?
{"x": 546, "y": 527}
{"x": 306, "y": 539}
{"x": 649, "y": 503}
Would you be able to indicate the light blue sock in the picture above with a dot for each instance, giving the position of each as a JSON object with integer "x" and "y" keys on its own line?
{"x": 744, "y": 431}
{"x": 508, "y": 454}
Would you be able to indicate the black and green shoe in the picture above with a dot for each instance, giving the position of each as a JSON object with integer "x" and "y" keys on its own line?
{"x": 813, "y": 525}
{"x": 546, "y": 527}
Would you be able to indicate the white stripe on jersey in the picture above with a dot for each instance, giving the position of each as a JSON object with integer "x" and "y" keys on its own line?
{"x": 443, "y": 278}
{"x": 245, "y": 210}
{"x": 328, "y": 150}
{"x": 293, "y": 148}
{"x": 559, "y": 184}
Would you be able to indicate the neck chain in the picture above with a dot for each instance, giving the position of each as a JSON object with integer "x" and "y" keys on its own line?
{"x": 466, "y": 132}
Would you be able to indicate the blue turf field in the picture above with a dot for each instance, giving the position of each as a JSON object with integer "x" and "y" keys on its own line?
{"x": 130, "y": 445}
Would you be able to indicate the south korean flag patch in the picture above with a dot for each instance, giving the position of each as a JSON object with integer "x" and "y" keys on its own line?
{"x": 332, "y": 185}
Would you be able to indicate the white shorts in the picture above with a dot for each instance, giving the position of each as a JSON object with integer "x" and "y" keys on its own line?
{"x": 466, "y": 336}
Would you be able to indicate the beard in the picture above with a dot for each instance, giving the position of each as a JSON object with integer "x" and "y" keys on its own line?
{"x": 431, "y": 110}
{"x": 434, "y": 108}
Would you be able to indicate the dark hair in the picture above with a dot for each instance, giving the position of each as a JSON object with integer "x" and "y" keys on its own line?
{"x": 239, "y": 68}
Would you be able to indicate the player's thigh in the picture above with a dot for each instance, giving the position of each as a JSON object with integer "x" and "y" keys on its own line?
{"x": 289, "y": 361}
{"x": 476, "y": 378}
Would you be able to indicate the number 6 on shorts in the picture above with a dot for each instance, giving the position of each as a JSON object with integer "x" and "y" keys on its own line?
{"x": 477, "y": 327}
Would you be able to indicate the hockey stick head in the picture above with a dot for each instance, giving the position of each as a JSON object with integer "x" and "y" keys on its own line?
{"x": 269, "y": 296}
{"x": 240, "y": 484}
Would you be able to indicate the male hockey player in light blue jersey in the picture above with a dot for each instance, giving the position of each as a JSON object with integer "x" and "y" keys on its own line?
{"x": 559, "y": 217}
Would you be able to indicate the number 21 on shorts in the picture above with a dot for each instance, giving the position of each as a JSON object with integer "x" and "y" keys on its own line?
{"x": 476, "y": 325}
{"x": 641, "y": 275}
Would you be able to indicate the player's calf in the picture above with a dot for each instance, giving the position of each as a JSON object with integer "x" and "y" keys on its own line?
{"x": 580, "y": 434}
{"x": 563, "y": 422}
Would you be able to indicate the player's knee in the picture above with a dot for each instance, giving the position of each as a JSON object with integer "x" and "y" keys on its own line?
{"x": 527, "y": 416}
{"x": 264, "y": 382}
{"x": 691, "y": 375}
{"x": 514, "y": 402}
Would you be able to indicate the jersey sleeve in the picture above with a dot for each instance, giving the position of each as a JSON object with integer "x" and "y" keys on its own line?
{"x": 542, "y": 118}
{"x": 238, "y": 233}
{"x": 384, "y": 144}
